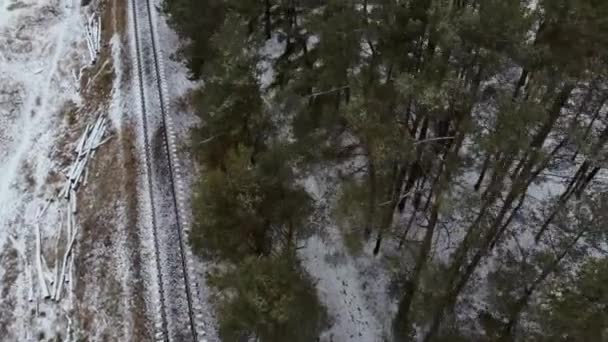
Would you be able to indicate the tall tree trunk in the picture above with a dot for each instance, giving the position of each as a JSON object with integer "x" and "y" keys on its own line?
{"x": 371, "y": 199}
{"x": 520, "y": 83}
{"x": 563, "y": 199}
{"x": 540, "y": 136}
{"x": 402, "y": 318}
{"x": 507, "y": 332}
{"x": 577, "y": 184}
{"x": 267, "y": 20}
{"x": 578, "y": 191}
{"x": 521, "y": 182}
{"x": 394, "y": 192}
{"x": 449, "y": 300}
{"x": 415, "y": 167}
{"x": 589, "y": 127}
{"x": 440, "y": 185}
{"x": 412, "y": 218}
{"x": 484, "y": 169}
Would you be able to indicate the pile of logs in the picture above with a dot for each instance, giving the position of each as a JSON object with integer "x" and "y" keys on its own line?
{"x": 88, "y": 143}
{"x": 93, "y": 36}
{"x": 76, "y": 177}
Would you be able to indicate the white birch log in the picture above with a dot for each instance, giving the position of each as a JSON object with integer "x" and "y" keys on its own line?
{"x": 30, "y": 292}
{"x": 54, "y": 275}
{"x": 56, "y": 266}
{"x": 89, "y": 39}
{"x": 43, "y": 210}
{"x": 88, "y": 27}
{"x": 80, "y": 72}
{"x": 68, "y": 276}
{"x": 92, "y": 28}
{"x": 78, "y": 173}
{"x": 94, "y": 133}
{"x": 103, "y": 130}
{"x": 68, "y": 331}
{"x": 64, "y": 265}
{"x": 65, "y": 193}
{"x": 44, "y": 290}
{"x": 86, "y": 177}
{"x": 72, "y": 170}
{"x": 98, "y": 139}
{"x": 90, "y": 48}
{"x": 47, "y": 274}
{"x": 98, "y": 35}
{"x": 68, "y": 221}
{"x": 73, "y": 200}
{"x": 82, "y": 141}
{"x": 100, "y": 123}
{"x": 75, "y": 171}
{"x": 103, "y": 142}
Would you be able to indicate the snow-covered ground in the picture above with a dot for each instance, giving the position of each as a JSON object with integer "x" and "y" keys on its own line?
{"x": 39, "y": 48}
{"x": 43, "y": 111}
{"x": 354, "y": 289}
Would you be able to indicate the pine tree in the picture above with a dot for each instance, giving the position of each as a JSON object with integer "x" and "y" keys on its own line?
{"x": 197, "y": 21}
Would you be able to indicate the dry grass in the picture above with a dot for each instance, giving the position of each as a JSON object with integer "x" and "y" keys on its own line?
{"x": 27, "y": 172}
{"x": 99, "y": 282}
{"x": 96, "y": 84}
{"x": 131, "y": 167}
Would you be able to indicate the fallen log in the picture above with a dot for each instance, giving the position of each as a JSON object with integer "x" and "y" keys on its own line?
{"x": 44, "y": 290}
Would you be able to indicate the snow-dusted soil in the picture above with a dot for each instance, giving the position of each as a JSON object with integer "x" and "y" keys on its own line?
{"x": 43, "y": 111}
{"x": 354, "y": 289}
{"x": 38, "y": 50}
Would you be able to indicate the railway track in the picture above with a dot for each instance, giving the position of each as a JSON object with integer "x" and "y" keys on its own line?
{"x": 179, "y": 318}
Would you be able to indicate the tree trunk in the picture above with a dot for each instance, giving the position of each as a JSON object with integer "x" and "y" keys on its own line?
{"x": 440, "y": 185}
{"x": 521, "y": 183}
{"x": 394, "y": 192}
{"x": 412, "y": 218}
{"x": 402, "y": 318}
{"x": 416, "y": 166}
{"x": 577, "y": 184}
{"x": 590, "y": 125}
{"x": 545, "y": 129}
{"x": 578, "y": 191}
{"x": 450, "y": 298}
{"x": 371, "y": 200}
{"x": 267, "y": 20}
{"x": 522, "y": 303}
{"x": 520, "y": 83}
{"x": 484, "y": 169}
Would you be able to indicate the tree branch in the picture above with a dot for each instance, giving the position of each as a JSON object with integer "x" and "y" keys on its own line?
{"x": 432, "y": 140}
{"x": 328, "y": 91}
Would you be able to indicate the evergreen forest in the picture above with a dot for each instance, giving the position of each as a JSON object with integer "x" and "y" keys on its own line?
{"x": 451, "y": 152}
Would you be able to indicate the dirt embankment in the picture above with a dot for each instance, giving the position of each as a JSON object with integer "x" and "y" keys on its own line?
{"x": 110, "y": 289}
